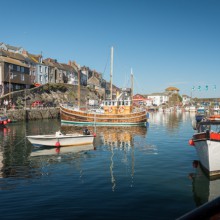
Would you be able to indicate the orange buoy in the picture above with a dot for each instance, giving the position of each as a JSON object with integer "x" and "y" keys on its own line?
{"x": 191, "y": 142}
{"x": 57, "y": 144}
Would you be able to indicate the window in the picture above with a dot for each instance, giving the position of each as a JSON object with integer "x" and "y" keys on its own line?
{"x": 18, "y": 68}
{"x": 41, "y": 78}
{"x": 17, "y": 87}
{"x": 22, "y": 77}
{"x": 40, "y": 69}
{"x": 22, "y": 69}
{"x": 11, "y": 66}
{"x": 45, "y": 69}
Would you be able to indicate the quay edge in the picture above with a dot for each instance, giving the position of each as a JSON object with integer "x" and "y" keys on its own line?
{"x": 33, "y": 114}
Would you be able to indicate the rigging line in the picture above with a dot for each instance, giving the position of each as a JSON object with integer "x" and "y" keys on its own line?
{"x": 137, "y": 84}
{"x": 106, "y": 64}
{"x": 19, "y": 142}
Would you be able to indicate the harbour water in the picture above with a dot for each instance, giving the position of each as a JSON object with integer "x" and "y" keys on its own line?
{"x": 129, "y": 173}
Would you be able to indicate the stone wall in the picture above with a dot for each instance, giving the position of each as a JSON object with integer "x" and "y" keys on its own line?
{"x": 33, "y": 114}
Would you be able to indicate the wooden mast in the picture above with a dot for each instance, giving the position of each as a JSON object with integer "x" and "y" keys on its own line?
{"x": 111, "y": 72}
{"x": 132, "y": 85}
{"x": 79, "y": 89}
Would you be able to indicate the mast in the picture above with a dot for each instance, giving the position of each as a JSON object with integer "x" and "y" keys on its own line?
{"x": 78, "y": 89}
{"x": 132, "y": 84}
{"x": 111, "y": 72}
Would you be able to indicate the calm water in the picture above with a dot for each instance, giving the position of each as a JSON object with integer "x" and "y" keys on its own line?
{"x": 134, "y": 173}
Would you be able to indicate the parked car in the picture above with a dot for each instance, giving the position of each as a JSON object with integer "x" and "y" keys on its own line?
{"x": 37, "y": 103}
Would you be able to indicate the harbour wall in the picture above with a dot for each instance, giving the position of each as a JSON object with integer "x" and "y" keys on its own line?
{"x": 32, "y": 114}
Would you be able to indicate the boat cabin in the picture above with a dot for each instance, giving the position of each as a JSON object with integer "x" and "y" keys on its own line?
{"x": 117, "y": 106}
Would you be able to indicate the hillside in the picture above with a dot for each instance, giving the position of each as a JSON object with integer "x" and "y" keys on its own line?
{"x": 51, "y": 94}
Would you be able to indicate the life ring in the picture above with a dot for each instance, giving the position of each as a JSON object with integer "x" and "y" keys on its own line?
{"x": 110, "y": 109}
{"x": 121, "y": 109}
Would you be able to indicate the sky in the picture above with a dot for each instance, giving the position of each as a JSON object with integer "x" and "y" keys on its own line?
{"x": 165, "y": 42}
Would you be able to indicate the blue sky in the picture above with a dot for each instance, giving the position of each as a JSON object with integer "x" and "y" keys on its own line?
{"x": 165, "y": 42}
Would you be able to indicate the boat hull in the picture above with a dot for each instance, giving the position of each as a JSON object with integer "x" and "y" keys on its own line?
{"x": 64, "y": 140}
{"x": 208, "y": 152}
{"x": 71, "y": 116}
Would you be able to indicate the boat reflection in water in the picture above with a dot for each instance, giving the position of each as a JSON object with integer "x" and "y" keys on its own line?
{"x": 18, "y": 158}
{"x": 113, "y": 136}
{"x": 121, "y": 142}
{"x": 45, "y": 151}
{"x": 205, "y": 188}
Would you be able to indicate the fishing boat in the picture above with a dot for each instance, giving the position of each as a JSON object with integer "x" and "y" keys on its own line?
{"x": 207, "y": 144}
{"x": 60, "y": 140}
{"x": 117, "y": 112}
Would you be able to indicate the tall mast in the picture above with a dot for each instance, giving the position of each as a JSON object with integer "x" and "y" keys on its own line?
{"x": 132, "y": 84}
{"x": 111, "y": 72}
{"x": 79, "y": 89}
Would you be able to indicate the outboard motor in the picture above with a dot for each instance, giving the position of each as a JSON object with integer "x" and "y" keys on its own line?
{"x": 86, "y": 131}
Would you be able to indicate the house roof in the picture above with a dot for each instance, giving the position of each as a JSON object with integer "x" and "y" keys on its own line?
{"x": 172, "y": 89}
{"x": 158, "y": 94}
{"x": 12, "y": 61}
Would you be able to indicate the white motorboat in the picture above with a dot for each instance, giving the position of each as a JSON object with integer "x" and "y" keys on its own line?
{"x": 60, "y": 140}
{"x": 207, "y": 144}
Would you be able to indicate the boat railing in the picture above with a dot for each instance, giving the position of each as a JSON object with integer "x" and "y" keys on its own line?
{"x": 209, "y": 210}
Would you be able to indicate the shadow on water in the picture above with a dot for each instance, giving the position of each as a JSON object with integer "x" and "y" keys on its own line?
{"x": 204, "y": 188}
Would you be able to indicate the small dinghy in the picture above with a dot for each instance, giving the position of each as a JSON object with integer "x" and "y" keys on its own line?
{"x": 61, "y": 140}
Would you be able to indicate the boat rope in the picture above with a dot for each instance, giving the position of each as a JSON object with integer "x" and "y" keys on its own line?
{"x": 19, "y": 142}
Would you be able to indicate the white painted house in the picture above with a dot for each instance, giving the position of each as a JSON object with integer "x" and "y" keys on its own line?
{"x": 158, "y": 98}
{"x": 186, "y": 99}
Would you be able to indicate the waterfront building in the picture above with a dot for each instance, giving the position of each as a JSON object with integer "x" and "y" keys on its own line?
{"x": 14, "y": 73}
{"x": 186, "y": 99}
{"x": 72, "y": 72}
{"x": 56, "y": 72}
{"x": 10, "y": 48}
{"x": 172, "y": 90}
{"x": 159, "y": 98}
{"x": 139, "y": 99}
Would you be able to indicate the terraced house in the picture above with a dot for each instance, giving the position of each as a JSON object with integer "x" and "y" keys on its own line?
{"x": 20, "y": 70}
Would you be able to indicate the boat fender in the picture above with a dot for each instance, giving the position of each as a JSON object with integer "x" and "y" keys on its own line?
{"x": 94, "y": 134}
{"x": 9, "y": 120}
{"x": 5, "y": 122}
{"x": 121, "y": 109}
{"x": 191, "y": 142}
{"x": 57, "y": 144}
{"x": 194, "y": 124}
{"x": 110, "y": 109}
